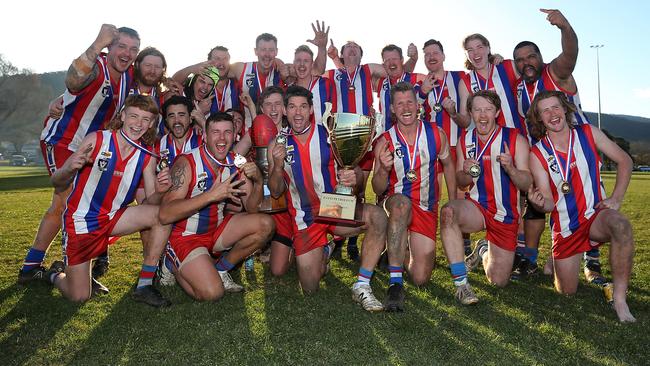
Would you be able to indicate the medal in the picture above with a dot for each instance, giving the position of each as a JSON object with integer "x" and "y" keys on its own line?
{"x": 475, "y": 170}
{"x": 162, "y": 164}
{"x": 352, "y": 79}
{"x": 351, "y": 88}
{"x": 437, "y": 95}
{"x": 411, "y": 175}
{"x": 565, "y": 186}
{"x": 281, "y": 139}
{"x": 239, "y": 161}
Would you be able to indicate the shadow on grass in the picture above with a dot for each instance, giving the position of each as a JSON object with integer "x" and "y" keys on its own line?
{"x": 30, "y": 325}
{"x": 25, "y": 182}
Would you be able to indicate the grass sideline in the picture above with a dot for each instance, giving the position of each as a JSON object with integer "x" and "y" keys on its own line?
{"x": 273, "y": 323}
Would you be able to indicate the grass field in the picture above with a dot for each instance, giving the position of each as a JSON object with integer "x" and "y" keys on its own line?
{"x": 273, "y": 323}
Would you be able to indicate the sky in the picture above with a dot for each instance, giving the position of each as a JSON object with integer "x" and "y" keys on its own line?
{"x": 47, "y": 36}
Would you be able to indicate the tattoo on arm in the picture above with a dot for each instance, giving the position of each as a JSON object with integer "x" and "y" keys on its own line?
{"x": 178, "y": 176}
{"x": 76, "y": 80}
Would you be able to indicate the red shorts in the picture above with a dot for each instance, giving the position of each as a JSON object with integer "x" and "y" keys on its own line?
{"x": 54, "y": 156}
{"x": 576, "y": 243}
{"x": 283, "y": 228}
{"x": 81, "y": 248}
{"x": 313, "y": 237}
{"x": 185, "y": 247}
{"x": 502, "y": 235}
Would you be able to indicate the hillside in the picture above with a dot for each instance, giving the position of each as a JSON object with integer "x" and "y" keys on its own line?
{"x": 631, "y": 128}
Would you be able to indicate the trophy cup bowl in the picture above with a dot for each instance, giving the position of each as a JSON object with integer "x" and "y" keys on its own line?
{"x": 262, "y": 132}
{"x": 350, "y": 136}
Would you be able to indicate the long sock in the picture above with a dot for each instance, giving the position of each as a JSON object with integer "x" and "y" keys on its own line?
{"x": 592, "y": 255}
{"x": 104, "y": 255}
{"x": 352, "y": 241}
{"x": 531, "y": 254}
{"x": 364, "y": 276}
{"x": 458, "y": 273}
{"x": 223, "y": 265}
{"x": 146, "y": 276}
{"x": 521, "y": 245}
{"x": 33, "y": 259}
{"x": 467, "y": 245}
{"x": 482, "y": 251}
{"x": 395, "y": 275}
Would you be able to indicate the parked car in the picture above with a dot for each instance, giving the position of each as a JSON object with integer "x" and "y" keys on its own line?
{"x": 18, "y": 160}
{"x": 643, "y": 168}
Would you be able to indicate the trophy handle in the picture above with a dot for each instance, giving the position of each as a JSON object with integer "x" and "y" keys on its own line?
{"x": 326, "y": 116}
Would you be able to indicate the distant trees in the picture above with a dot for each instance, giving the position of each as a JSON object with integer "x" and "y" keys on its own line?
{"x": 24, "y": 102}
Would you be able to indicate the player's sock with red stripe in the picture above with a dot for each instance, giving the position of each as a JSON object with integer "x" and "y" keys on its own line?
{"x": 521, "y": 245}
{"x": 33, "y": 259}
{"x": 146, "y": 276}
{"x": 223, "y": 265}
{"x": 364, "y": 276}
{"x": 395, "y": 275}
{"x": 458, "y": 273}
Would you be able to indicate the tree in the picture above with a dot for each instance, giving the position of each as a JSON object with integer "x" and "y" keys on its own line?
{"x": 23, "y": 104}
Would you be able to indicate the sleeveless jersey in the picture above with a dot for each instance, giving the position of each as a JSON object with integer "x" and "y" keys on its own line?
{"x": 357, "y": 99}
{"x": 225, "y": 99}
{"x": 383, "y": 93}
{"x": 251, "y": 82}
{"x": 442, "y": 118}
{"x": 322, "y": 90}
{"x": 88, "y": 110}
{"x": 167, "y": 148}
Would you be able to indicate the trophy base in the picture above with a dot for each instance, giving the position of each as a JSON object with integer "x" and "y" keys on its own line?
{"x": 339, "y": 209}
{"x": 273, "y": 205}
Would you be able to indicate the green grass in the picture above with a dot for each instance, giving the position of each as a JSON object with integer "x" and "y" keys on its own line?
{"x": 273, "y": 323}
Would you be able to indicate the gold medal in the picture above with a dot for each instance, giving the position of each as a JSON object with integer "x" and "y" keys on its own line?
{"x": 565, "y": 187}
{"x": 239, "y": 160}
{"x": 411, "y": 175}
{"x": 475, "y": 170}
{"x": 351, "y": 88}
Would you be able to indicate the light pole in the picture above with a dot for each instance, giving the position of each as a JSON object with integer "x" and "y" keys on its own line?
{"x": 597, "y": 46}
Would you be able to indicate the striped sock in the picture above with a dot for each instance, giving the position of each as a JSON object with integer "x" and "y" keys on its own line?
{"x": 33, "y": 259}
{"x": 481, "y": 252}
{"x": 395, "y": 275}
{"x": 223, "y": 265}
{"x": 146, "y": 276}
{"x": 458, "y": 273}
{"x": 592, "y": 255}
{"x": 521, "y": 244}
{"x": 531, "y": 254}
{"x": 364, "y": 276}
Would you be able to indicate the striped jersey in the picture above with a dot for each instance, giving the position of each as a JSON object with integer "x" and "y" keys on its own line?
{"x": 383, "y": 93}
{"x": 442, "y": 118}
{"x": 353, "y": 90}
{"x": 167, "y": 148}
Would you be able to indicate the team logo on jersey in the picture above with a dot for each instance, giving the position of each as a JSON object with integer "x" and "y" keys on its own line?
{"x": 552, "y": 164}
{"x": 289, "y": 158}
{"x": 249, "y": 80}
{"x": 398, "y": 150}
{"x": 104, "y": 157}
{"x": 385, "y": 86}
{"x": 338, "y": 77}
{"x": 471, "y": 151}
{"x": 201, "y": 181}
{"x": 475, "y": 86}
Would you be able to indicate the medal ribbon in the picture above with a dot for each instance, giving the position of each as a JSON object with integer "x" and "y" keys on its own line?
{"x": 487, "y": 81}
{"x": 412, "y": 156}
{"x": 138, "y": 146}
{"x": 352, "y": 79}
{"x": 123, "y": 92}
{"x": 438, "y": 96}
{"x": 209, "y": 154}
{"x": 487, "y": 143}
{"x": 269, "y": 76}
{"x": 564, "y": 172}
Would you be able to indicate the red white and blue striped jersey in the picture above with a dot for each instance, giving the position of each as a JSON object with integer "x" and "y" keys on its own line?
{"x": 322, "y": 91}
{"x": 226, "y": 99}
{"x": 203, "y": 177}
{"x": 526, "y": 93}
{"x": 101, "y": 189}
{"x": 493, "y": 189}
{"x": 309, "y": 170}
{"x": 88, "y": 110}
{"x": 357, "y": 100}
{"x": 383, "y": 93}
{"x": 504, "y": 83}
{"x": 425, "y": 190}
{"x": 587, "y": 190}
{"x": 251, "y": 82}
{"x": 167, "y": 148}
{"x": 442, "y": 118}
